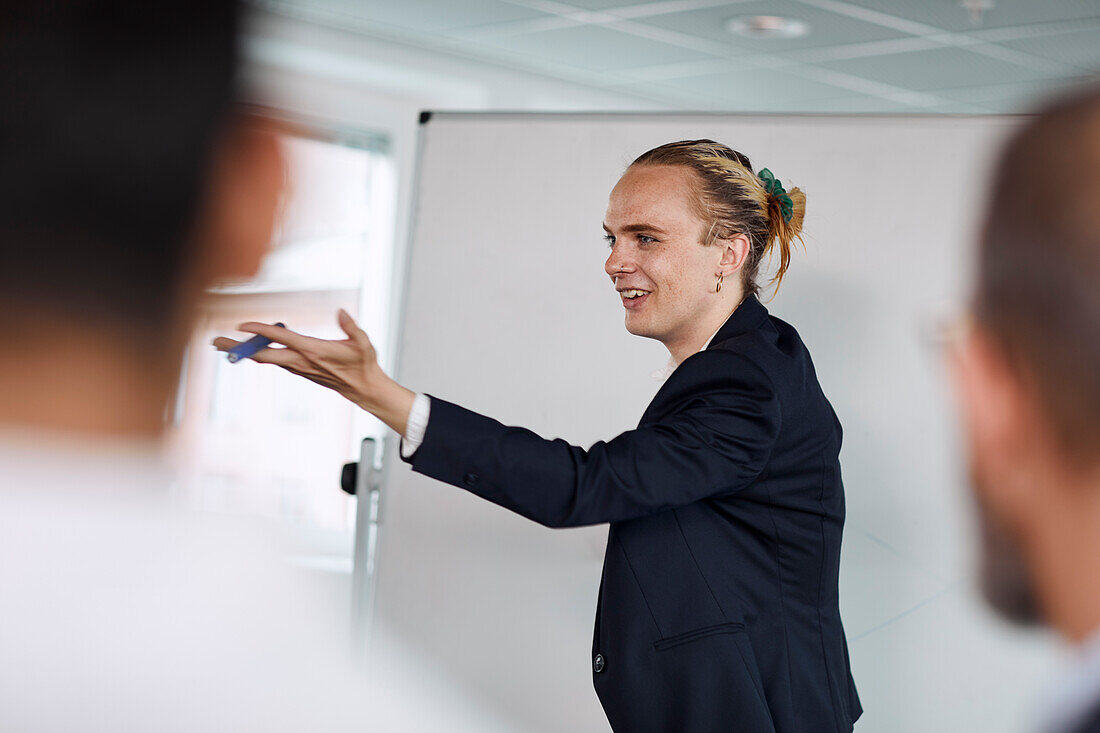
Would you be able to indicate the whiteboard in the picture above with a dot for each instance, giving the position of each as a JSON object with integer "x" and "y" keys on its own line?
{"x": 508, "y": 312}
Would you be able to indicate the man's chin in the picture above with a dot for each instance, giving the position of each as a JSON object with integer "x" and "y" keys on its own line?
{"x": 635, "y": 326}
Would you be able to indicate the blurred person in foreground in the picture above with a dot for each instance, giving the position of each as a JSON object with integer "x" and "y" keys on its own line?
{"x": 1027, "y": 373}
{"x": 130, "y": 183}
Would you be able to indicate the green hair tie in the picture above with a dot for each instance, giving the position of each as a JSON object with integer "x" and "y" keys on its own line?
{"x": 774, "y": 187}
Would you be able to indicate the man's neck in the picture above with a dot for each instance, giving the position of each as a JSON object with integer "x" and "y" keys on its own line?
{"x": 95, "y": 383}
{"x": 705, "y": 329}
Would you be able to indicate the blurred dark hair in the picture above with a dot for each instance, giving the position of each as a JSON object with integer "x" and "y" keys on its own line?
{"x": 1038, "y": 292}
{"x": 108, "y": 112}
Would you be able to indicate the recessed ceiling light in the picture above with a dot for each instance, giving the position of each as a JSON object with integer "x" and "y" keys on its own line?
{"x": 976, "y": 8}
{"x": 767, "y": 26}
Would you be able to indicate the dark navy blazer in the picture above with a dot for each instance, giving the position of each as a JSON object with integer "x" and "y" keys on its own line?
{"x": 718, "y": 609}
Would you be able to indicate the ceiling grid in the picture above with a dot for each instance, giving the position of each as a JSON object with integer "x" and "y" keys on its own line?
{"x": 859, "y": 56}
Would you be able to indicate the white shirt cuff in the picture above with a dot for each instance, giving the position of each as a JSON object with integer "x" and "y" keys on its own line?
{"x": 417, "y": 424}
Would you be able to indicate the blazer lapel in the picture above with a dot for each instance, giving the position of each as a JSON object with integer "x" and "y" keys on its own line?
{"x": 748, "y": 316}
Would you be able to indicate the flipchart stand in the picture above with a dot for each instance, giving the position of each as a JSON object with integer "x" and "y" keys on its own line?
{"x": 363, "y": 480}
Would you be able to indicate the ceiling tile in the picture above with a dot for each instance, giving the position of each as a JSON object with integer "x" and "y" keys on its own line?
{"x": 861, "y": 104}
{"x": 951, "y": 16}
{"x": 1080, "y": 49}
{"x": 1009, "y": 98}
{"x": 756, "y": 90}
{"x": 426, "y": 15}
{"x": 594, "y": 48}
{"x": 601, "y": 4}
{"x": 945, "y": 68}
{"x": 665, "y": 72}
{"x": 826, "y": 29}
{"x": 679, "y": 99}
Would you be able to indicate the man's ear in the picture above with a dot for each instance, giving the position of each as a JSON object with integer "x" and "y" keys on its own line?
{"x": 243, "y": 200}
{"x": 734, "y": 254}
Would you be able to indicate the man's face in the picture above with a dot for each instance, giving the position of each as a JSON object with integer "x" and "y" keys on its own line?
{"x": 988, "y": 397}
{"x": 656, "y": 247}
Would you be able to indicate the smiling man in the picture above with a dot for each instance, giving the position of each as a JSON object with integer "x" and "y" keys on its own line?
{"x": 666, "y": 282}
{"x": 718, "y": 608}
{"x": 666, "y": 288}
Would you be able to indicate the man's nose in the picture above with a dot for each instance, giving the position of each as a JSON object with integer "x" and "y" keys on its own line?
{"x": 617, "y": 262}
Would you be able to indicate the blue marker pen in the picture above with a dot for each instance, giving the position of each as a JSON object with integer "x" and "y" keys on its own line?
{"x": 250, "y": 347}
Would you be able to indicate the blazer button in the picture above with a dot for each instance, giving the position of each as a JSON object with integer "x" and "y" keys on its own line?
{"x": 598, "y": 664}
{"x": 469, "y": 479}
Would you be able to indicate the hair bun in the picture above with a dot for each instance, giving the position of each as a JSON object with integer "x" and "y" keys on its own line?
{"x": 775, "y": 190}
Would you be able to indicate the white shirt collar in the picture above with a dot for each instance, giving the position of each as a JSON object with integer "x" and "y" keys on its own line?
{"x": 670, "y": 366}
{"x": 1075, "y": 692}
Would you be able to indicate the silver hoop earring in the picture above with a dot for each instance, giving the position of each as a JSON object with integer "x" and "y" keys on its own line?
{"x": 718, "y": 287}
